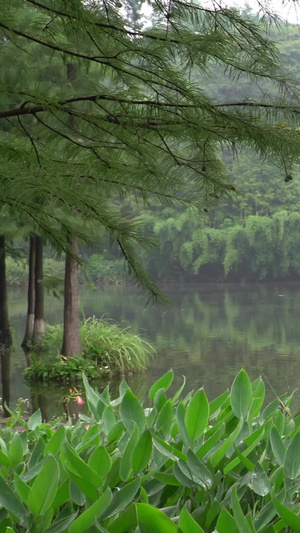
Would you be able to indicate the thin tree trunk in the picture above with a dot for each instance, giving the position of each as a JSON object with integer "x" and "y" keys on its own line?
{"x": 28, "y": 337}
{"x": 39, "y": 321}
{"x": 5, "y": 335}
{"x": 71, "y": 334}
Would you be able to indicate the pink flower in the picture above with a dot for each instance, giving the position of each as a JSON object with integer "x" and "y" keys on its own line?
{"x": 79, "y": 400}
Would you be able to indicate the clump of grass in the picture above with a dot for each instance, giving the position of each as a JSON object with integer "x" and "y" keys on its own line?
{"x": 117, "y": 348}
{"x": 106, "y": 348}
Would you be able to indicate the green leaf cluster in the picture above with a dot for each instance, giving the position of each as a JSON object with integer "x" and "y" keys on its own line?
{"x": 183, "y": 464}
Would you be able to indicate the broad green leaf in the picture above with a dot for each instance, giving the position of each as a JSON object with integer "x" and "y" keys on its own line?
{"x": 291, "y": 465}
{"x": 258, "y": 397}
{"x": 198, "y": 475}
{"x": 180, "y": 417}
{"x": 4, "y": 459}
{"x": 187, "y": 524}
{"x": 260, "y": 482}
{"x": 21, "y": 488}
{"x": 123, "y": 387}
{"x": 248, "y": 464}
{"x": 169, "y": 451}
{"x": 35, "y": 420}
{"x": 199, "y": 469}
{"x": 241, "y": 394}
{"x": 226, "y": 523}
{"x": 84, "y": 485}
{"x": 264, "y": 517}
{"x": 197, "y": 415}
{"x": 56, "y": 441}
{"x": 100, "y": 461}
{"x": 131, "y": 410}
{"x": 279, "y": 423}
{"x": 108, "y": 419}
{"x": 116, "y": 432}
{"x": 218, "y": 402}
{"x": 125, "y": 463}
{"x": 186, "y": 481}
{"x": 162, "y": 383}
{"x": 15, "y": 451}
{"x": 212, "y": 441}
{"x": 277, "y": 445}
{"x": 80, "y": 467}
{"x": 167, "y": 479}
{"x": 160, "y": 399}
{"x": 122, "y": 498}
{"x": 10, "y": 502}
{"x": 165, "y": 419}
{"x": 290, "y": 518}
{"x": 152, "y": 520}
{"x": 178, "y": 393}
{"x": 62, "y": 494}
{"x": 126, "y": 521}
{"x": 92, "y": 397}
{"x": 86, "y": 519}
{"x": 241, "y": 520}
{"x": 44, "y": 488}
{"x": 226, "y": 445}
{"x": 61, "y": 525}
{"x": 252, "y": 440}
{"x": 142, "y": 452}
{"x": 77, "y": 495}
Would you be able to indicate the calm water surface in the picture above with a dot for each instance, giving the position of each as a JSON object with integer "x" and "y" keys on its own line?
{"x": 207, "y": 334}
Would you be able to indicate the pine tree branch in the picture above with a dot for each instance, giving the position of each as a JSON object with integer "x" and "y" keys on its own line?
{"x": 108, "y": 26}
{"x": 23, "y": 110}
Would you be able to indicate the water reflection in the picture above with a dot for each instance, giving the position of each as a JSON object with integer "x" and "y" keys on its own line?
{"x": 208, "y": 334}
{"x": 5, "y": 355}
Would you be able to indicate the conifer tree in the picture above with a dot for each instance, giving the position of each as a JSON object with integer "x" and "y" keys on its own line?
{"x": 94, "y": 106}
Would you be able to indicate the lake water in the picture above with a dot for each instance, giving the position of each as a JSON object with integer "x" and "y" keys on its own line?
{"x": 207, "y": 334}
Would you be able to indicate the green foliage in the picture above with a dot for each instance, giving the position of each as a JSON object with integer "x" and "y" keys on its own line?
{"x": 106, "y": 349}
{"x": 116, "y": 471}
{"x": 101, "y": 269}
{"x": 17, "y": 271}
{"x": 85, "y": 124}
{"x": 255, "y": 248}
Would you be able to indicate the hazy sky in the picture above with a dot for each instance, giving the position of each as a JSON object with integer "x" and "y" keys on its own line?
{"x": 287, "y": 9}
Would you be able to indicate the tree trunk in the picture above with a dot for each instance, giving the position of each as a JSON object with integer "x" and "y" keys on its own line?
{"x": 39, "y": 321}
{"x": 71, "y": 334}
{"x": 5, "y": 335}
{"x": 28, "y": 337}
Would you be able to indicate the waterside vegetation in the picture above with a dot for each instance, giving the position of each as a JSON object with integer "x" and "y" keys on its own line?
{"x": 106, "y": 349}
{"x": 182, "y": 465}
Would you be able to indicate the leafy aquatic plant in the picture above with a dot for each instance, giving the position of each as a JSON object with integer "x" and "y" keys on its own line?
{"x": 182, "y": 465}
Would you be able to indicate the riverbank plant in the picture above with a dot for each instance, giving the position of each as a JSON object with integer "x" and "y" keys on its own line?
{"x": 107, "y": 348}
{"x": 182, "y": 465}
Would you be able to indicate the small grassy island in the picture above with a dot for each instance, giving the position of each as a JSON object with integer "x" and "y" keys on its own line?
{"x": 183, "y": 465}
{"x": 106, "y": 348}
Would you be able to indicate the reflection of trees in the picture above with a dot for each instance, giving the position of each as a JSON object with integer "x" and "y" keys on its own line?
{"x": 208, "y": 334}
{"x": 211, "y": 332}
{"x": 5, "y": 378}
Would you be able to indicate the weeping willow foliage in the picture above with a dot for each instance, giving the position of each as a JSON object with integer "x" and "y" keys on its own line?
{"x": 95, "y": 106}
